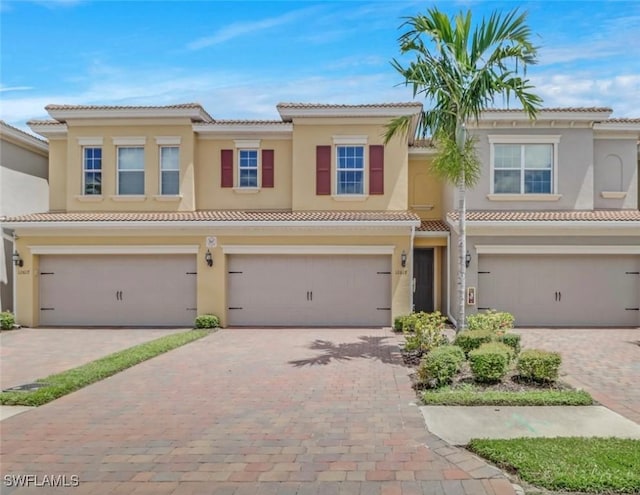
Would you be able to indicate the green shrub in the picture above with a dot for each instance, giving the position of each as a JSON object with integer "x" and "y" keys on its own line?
{"x": 439, "y": 366}
{"x": 539, "y": 365}
{"x": 207, "y": 321}
{"x": 491, "y": 320}
{"x": 398, "y": 323}
{"x": 512, "y": 340}
{"x": 427, "y": 331}
{"x": 472, "y": 339}
{"x": 7, "y": 320}
{"x": 489, "y": 363}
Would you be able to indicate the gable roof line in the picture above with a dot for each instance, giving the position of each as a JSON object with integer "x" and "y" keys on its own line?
{"x": 23, "y": 137}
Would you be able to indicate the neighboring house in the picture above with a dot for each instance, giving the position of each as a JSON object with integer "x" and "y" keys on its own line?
{"x": 158, "y": 214}
{"x": 553, "y": 227}
{"x": 23, "y": 189}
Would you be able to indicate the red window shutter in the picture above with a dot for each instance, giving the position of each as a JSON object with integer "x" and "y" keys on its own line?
{"x": 226, "y": 168}
{"x": 267, "y": 168}
{"x": 323, "y": 170}
{"x": 376, "y": 169}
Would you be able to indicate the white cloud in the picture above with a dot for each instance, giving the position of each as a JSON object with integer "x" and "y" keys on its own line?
{"x": 4, "y": 89}
{"x": 622, "y": 93}
{"x": 238, "y": 29}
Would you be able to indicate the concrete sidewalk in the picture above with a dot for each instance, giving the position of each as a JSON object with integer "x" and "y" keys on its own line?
{"x": 458, "y": 424}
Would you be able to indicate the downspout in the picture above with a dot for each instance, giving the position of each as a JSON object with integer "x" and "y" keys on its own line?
{"x": 412, "y": 282}
{"x": 451, "y": 318}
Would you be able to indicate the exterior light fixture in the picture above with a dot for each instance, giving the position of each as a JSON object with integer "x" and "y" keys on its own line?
{"x": 467, "y": 259}
{"x": 403, "y": 259}
{"x": 17, "y": 260}
{"x": 208, "y": 258}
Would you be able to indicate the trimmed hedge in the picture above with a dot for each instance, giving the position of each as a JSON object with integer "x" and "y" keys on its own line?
{"x": 538, "y": 365}
{"x": 490, "y": 362}
{"x": 207, "y": 321}
{"x": 492, "y": 320}
{"x": 512, "y": 340}
{"x": 7, "y": 320}
{"x": 472, "y": 339}
{"x": 439, "y": 366}
{"x": 424, "y": 331}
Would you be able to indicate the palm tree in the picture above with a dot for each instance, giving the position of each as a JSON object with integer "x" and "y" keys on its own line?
{"x": 461, "y": 72}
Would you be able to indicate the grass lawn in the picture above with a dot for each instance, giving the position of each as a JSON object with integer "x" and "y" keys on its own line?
{"x": 68, "y": 381}
{"x": 591, "y": 465}
{"x": 474, "y": 396}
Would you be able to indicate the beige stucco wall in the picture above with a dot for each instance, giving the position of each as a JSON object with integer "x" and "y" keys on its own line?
{"x": 66, "y": 166}
{"x": 425, "y": 191}
{"x": 211, "y": 281}
{"x": 311, "y": 132}
{"x": 209, "y": 194}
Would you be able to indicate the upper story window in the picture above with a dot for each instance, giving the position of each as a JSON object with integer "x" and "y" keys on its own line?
{"x": 522, "y": 165}
{"x": 169, "y": 170}
{"x": 350, "y": 170}
{"x": 248, "y": 168}
{"x": 91, "y": 170}
{"x": 131, "y": 170}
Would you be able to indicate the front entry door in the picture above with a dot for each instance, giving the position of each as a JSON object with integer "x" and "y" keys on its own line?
{"x": 423, "y": 277}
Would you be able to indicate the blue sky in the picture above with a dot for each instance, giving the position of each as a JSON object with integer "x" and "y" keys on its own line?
{"x": 239, "y": 59}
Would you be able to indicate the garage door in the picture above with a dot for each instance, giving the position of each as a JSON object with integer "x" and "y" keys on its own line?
{"x": 117, "y": 290}
{"x": 562, "y": 290}
{"x": 313, "y": 290}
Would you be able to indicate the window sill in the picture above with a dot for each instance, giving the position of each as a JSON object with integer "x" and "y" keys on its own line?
{"x": 349, "y": 197}
{"x": 524, "y": 197}
{"x": 128, "y": 198}
{"x": 168, "y": 198}
{"x": 89, "y": 198}
{"x": 613, "y": 194}
{"x": 246, "y": 190}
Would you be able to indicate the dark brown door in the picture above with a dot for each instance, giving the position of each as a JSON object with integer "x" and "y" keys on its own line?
{"x": 423, "y": 274}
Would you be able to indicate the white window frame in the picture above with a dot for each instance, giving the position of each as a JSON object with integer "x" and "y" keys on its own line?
{"x": 242, "y": 145}
{"x": 553, "y": 140}
{"x": 338, "y": 169}
{"x": 85, "y": 170}
{"x": 118, "y": 171}
{"x": 161, "y": 169}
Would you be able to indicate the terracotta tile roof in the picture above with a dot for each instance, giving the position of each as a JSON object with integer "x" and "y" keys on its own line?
{"x": 550, "y": 216}
{"x": 248, "y": 122}
{"x": 26, "y": 135}
{"x": 365, "y": 105}
{"x": 432, "y": 226}
{"x": 120, "y": 107}
{"x": 620, "y": 120}
{"x": 44, "y": 122}
{"x": 552, "y": 109}
{"x": 223, "y": 216}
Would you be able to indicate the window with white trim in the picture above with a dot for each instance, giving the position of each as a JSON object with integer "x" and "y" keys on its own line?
{"x": 248, "y": 168}
{"x": 130, "y": 170}
{"x": 170, "y": 170}
{"x": 524, "y": 164}
{"x": 91, "y": 170}
{"x": 350, "y": 170}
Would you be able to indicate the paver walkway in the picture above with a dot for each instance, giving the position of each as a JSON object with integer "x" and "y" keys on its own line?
{"x": 31, "y": 353}
{"x": 249, "y": 412}
{"x": 604, "y": 362}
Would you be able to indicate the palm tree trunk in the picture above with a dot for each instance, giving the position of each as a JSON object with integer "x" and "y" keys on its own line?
{"x": 462, "y": 252}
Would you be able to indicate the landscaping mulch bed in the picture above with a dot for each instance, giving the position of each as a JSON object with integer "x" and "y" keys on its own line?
{"x": 510, "y": 383}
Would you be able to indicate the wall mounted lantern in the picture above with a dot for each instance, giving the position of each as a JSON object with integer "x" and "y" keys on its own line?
{"x": 17, "y": 260}
{"x": 403, "y": 259}
{"x": 208, "y": 258}
{"x": 467, "y": 259}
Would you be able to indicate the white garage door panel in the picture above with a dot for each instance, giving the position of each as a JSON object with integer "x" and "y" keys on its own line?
{"x": 562, "y": 290}
{"x": 301, "y": 290}
{"x": 115, "y": 290}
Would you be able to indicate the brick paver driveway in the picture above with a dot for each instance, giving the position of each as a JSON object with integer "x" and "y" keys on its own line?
{"x": 249, "y": 412}
{"x": 604, "y": 362}
{"x": 28, "y": 354}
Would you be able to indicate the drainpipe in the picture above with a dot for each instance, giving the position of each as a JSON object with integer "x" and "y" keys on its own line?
{"x": 453, "y": 320}
{"x": 411, "y": 280}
